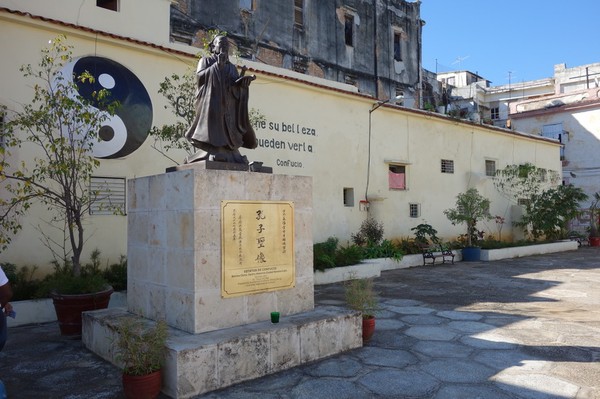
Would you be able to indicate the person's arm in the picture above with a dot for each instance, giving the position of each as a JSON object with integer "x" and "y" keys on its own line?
{"x": 5, "y": 294}
{"x": 5, "y": 289}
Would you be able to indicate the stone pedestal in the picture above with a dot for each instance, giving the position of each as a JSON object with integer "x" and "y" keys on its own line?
{"x": 174, "y": 273}
{"x": 174, "y": 247}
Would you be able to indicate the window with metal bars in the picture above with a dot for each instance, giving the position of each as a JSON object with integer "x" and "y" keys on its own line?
{"x": 109, "y": 193}
{"x": 490, "y": 167}
{"x": 447, "y": 166}
{"x": 414, "y": 210}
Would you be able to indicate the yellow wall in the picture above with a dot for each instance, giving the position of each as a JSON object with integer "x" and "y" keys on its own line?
{"x": 335, "y": 156}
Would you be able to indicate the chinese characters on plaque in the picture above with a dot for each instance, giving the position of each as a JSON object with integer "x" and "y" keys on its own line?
{"x": 257, "y": 247}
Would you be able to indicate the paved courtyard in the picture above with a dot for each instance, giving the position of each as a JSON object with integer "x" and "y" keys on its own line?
{"x": 520, "y": 328}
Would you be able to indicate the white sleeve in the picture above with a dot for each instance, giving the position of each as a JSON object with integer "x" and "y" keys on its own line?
{"x": 3, "y": 278}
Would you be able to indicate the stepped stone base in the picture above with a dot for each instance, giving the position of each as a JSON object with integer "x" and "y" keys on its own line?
{"x": 200, "y": 363}
{"x": 175, "y": 272}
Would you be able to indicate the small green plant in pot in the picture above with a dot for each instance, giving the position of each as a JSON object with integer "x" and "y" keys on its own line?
{"x": 73, "y": 294}
{"x": 360, "y": 295}
{"x": 140, "y": 349}
{"x": 470, "y": 208}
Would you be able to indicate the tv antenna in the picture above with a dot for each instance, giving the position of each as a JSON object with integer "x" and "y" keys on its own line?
{"x": 459, "y": 60}
{"x": 510, "y": 75}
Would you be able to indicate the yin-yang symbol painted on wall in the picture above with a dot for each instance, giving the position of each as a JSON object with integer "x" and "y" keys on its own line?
{"x": 125, "y": 131}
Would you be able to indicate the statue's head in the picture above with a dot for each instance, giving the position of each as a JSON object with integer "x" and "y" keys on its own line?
{"x": 220, "y": 44}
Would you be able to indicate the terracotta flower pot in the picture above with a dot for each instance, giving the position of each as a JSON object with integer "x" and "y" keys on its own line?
{"x": 368, "y": 328}
{"x": 142, "y": 386}
{"x": 69, "y": 307}
{"x": 594, "y": 241}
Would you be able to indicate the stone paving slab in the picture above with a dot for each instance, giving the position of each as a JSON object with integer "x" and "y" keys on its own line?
{"x": 518, "y": 328}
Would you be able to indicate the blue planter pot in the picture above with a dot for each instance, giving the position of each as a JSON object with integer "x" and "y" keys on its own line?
{"x": 471, "y": 254}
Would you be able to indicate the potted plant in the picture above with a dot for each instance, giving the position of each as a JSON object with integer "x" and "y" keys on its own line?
{"x": 470, "y": 208}
{"x": 140, "y": 348}
{"x": 73, "y": 293}
{"x": 360, "y": 296}
{"x": 594, "y": 236}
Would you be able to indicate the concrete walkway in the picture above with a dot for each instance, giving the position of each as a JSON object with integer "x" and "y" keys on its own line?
{"x": 521, "y": 328}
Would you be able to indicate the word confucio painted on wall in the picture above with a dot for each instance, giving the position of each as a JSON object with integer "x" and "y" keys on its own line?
{"x": 294, "y": 140}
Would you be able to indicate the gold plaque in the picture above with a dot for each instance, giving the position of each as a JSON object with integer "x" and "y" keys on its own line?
{"x": 257, "y": 247}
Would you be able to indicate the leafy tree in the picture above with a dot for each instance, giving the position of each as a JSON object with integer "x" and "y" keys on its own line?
{"x": 548, "y": 206}
{"x": 470, "y": 208}
{"x": 521, "y": 182}
{"x": 179, "y": 93}
{"x": 548, "y": 212}
{"x": 59, "y": 127}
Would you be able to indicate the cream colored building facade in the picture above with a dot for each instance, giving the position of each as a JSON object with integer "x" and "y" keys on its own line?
{"x": 311, "y": 127}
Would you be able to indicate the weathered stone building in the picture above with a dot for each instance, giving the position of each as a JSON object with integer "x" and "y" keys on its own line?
{"x": 373, "y": 45}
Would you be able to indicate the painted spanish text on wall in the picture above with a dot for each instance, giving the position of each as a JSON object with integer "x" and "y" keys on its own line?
{"x": 295, "y": 139}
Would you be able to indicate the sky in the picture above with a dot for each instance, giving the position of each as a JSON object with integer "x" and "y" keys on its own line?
{"x": 510, "y": 40}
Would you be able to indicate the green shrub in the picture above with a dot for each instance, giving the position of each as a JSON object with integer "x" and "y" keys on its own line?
{"x": 408, "y": 246}
{"x": 324, "y": 254}
{"x": 63, "y": 281}
{"x": 425, "y": 234}
{"x": 386, "y": 249}
{"x": 329, "y": 254}
{"x": 25, "y": 286}
{"x": 370, "y": 233}
{"x": 116, "y": 274}
{"x": 495, "y": 244}
{"x": 370, "y": 240}
{"x": 22, "y": 281}
{"x": 350, "y": 255}
{"x": 69, "y": 284}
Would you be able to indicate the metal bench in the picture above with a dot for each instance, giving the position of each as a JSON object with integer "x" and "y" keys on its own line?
{"x": 431, "y": 253}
